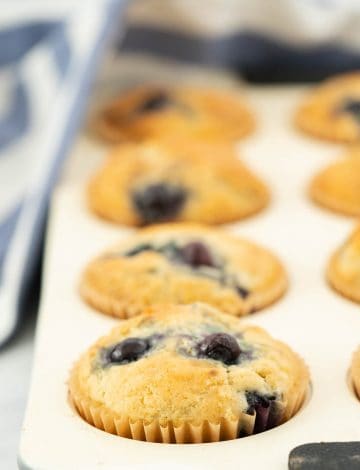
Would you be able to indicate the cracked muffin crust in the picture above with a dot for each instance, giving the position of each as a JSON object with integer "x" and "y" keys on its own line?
{"x": 332, "y": 110}
{"x": 152, "y": 112}
{"x": 183, "y": 263}
{"x": 175, "y": 181}
{"x": 187, "y": 374}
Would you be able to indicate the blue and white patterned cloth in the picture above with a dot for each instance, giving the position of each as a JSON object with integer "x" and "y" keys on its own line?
{"x": 265, "y": 41}
{"x": 46, "y": 66}
{"x": 48, "y": 60}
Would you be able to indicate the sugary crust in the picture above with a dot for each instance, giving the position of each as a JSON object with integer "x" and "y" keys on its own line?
{"x": 355, "y": 371}
{"x": 220, "y": 188}
{"x": 337, "y": 187}
{"x": 207, "y": 114}
{"x": 343, "y": 271}
{"x": 171, "y": 391}
{"x": 317, "y": 116}
{"x": 124, "y": 286}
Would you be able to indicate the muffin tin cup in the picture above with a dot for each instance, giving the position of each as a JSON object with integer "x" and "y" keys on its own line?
{"x": 315, "y": 321}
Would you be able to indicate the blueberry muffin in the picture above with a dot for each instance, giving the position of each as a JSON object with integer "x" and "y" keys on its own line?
{"x": 187, "y": 374}
{"x": 151, "y": 112}
{"x": 355, "y": 372}
{"x": 183, "y": 263}
{"x": 343, "y": 271}
{"x": 175, "y": 181}
{"x": 337, "y": 187}
{"x": 332, "y": 110}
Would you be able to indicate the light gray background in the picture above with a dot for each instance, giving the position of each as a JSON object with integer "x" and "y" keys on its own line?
{"x": 15, "y": 369}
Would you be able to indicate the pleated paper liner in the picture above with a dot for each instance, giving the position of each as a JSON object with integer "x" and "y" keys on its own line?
{"x": 170, "y": 432}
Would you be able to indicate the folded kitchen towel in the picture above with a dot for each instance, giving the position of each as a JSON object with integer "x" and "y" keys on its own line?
{"x": 46, "y": 66}
{"x": 286, "y": 40}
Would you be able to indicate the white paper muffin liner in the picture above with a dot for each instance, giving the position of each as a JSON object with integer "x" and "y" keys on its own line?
{"x": 164, "y": 431}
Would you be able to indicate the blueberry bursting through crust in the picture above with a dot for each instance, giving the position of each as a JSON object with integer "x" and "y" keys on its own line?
{"x": 216, "y": 346}
{"x": 159, "y": 202}
{"x": 196, "y": 255}
{"x": 159, "y": 101}
{"x": 351, "y": 106}
{"x": 155, "y": 102}
{"x": 129, "y": 350}
{"x": 220, "y": 347}
{"x": 265, "y": 408}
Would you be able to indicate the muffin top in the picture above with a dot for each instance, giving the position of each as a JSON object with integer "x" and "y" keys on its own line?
{"x": 332, "y": 110}
{"x": 189, "y": 363}
{"x": 355, "y": 364}
{"x": 152, "y": 111}
{"x": 175, "y": 181}
{"x": 344, "y": 267}
{"x": 337, "y": 187}
{"x": 183, "y": 263}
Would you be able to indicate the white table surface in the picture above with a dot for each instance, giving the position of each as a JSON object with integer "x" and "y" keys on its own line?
{"x": 15, "y": 369}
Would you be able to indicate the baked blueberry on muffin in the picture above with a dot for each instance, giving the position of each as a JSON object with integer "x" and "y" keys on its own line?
{"x": 153, "y": 112}
{"x": 187, "y": 374}
{"x": 332, "y": 110}
{"x": 183, "y": 263}
{"x": 175, "y": 181}
{"x": 337, "y": 187}
{"x": 343, "y": 271}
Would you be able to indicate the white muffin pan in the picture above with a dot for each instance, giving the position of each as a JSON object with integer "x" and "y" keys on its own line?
{"x": 316, "y": 322}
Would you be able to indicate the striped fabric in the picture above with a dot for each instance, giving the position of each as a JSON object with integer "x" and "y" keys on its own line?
{"x": 265, "y": 41}
{"x": 45, "y": 71}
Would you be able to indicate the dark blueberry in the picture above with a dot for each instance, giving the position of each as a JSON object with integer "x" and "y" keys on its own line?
{"x": 155, "y": 102}
{"x": 159, "y": 202}
{"x": 129, "y": 350}
{"x": 256, "y": 400}
{"x": 196, "y": 254}
{"x": 352, "y": 106}
{"x": 262, "y": 406}
{"x": 242, "y": 291}
{"x": 220, "y": 347}
{"x": 139, "y": 249}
